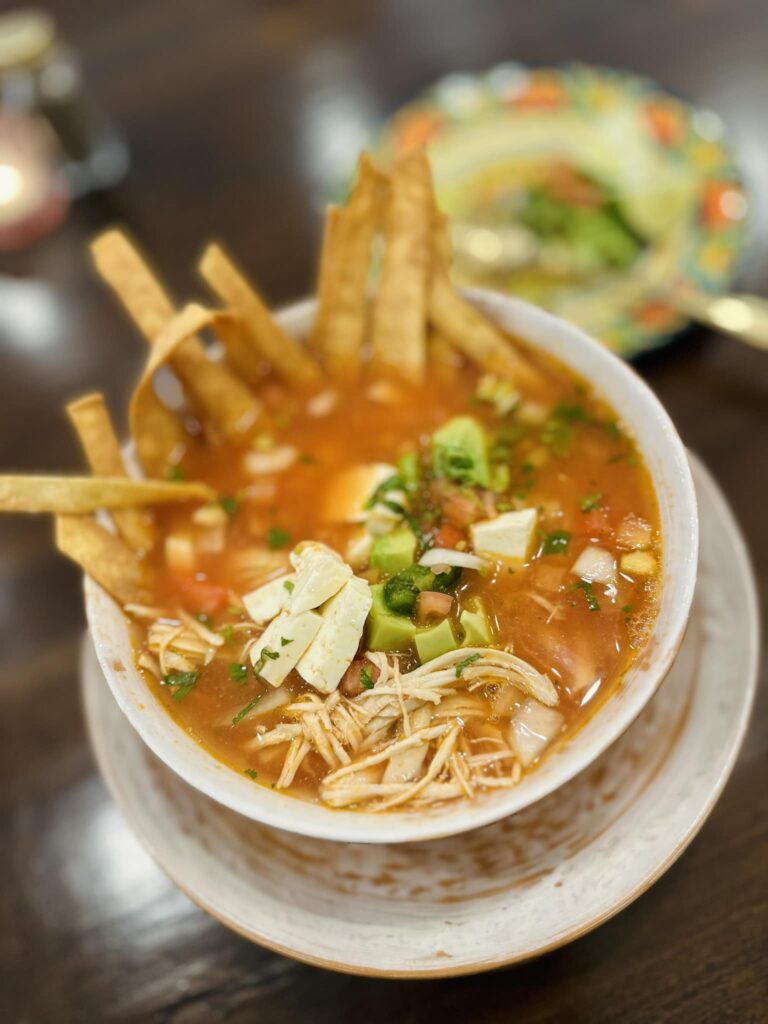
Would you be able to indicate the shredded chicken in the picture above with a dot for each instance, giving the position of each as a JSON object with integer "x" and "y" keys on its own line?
{"x": 402, "y": 741}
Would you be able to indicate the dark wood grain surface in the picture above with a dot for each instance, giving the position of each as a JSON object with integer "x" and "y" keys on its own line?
{"x": 231, "y": 108}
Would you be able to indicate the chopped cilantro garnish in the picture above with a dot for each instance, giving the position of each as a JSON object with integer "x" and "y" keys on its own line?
{"x": 183, "y": 682}
{"x": 556, "y": 542}
{"x": 571, "y": 413}
{"x": 589, "y": 592}
{"x": 227, "y": 632}
{"x": 627, "y": 608}
{"x": 289, "y": 585}
{"x": 465, "y": 663}
{"x": 307, "y": 459}
{"x": 556, "y": 434}
{"x": 618, "y": 457}
{"x": 261, "y": 661}
{"x": 238, "y": 672}
{"x": 392, "y": 483}
{"x": 181, "y": 678}
{"x": 366, "y": 679}
{"x": 277, "y": 538}
{"x": 591, "y": 502}
{"x": 251, "y": 773}
{"x": 175, "y": 473}
{"x": 284, "y": 641}
{"x": 244, "y": 711}
{"x": 234, "y": 610}
{"x": 230, "y": 505}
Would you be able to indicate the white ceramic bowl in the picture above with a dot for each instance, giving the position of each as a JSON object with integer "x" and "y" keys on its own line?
{"x": 663, "y": 451}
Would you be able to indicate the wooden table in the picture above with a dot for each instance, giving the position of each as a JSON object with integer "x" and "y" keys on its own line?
{"x": 231, "y": 110}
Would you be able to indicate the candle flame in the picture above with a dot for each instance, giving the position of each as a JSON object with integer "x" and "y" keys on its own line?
{"x": 11, "y": 184}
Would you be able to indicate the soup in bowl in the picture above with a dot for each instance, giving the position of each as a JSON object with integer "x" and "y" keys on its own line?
{"x": 596, "y": 605}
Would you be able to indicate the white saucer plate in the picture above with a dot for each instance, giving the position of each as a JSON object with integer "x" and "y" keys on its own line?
{"x": 497, "y": 895}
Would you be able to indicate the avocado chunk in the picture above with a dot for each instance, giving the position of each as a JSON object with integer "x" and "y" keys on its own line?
{"x": 431, "y": 643}
{"x": 386, "y": 630}
{"x": 408, "y": 470}
{"x": 394, "y": 551}
{"x": 475, "y": 626}
{"x": 460, "y": 452}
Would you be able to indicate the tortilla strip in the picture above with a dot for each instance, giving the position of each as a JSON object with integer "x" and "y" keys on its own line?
{"x": 77, "y": 495}
{"x": 90, "y": 418}
{"x": 288, "y": 357}
{"x": 331, "y": 250}
{"x": 464, "y": 327}
{"x": 241, "y": 356}
{"x": 155, "y": 445}
{"x": 345, "y": 261}
{"x": 441, "y": 355}
{"x": 223, "y": 404}
{"x": 105, "y": 557}
{"x": 400, "y": 311}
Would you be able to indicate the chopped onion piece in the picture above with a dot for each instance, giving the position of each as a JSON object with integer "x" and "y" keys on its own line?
{"x": 596, "y": 565}
{"x": 272, "y": 701}
{"x": 532, "y": 729}
{"x": 274, "y": 461}
{"x": 179, "y": 552}
{"x": 323, "y": 403}
{"x": 210, "y": 515}
{"x": 448, "y": 556}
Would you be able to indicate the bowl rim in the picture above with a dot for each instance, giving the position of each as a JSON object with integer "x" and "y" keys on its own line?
{"x": 222, "y": 783}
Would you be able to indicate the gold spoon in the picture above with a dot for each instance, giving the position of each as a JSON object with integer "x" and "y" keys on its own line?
{"x": 744, "y": 317}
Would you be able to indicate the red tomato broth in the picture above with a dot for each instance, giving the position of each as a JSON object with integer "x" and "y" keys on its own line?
{"x": 585, "y": 652}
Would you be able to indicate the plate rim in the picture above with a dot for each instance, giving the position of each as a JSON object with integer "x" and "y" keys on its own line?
{"x": 753, "y": 631}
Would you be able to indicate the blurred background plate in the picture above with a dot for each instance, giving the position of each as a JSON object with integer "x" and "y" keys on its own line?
{"x": 624, "y": 189}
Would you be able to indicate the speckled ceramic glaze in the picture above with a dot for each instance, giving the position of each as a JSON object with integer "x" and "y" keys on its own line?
{"x": 498, "y": 894}
{"x": 665, "y": 457}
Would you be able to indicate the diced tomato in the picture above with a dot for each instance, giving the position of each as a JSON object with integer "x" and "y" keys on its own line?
{"x": 199, "y": 596}
{"x": 433, "y": 604}
{"x": 489, "y": 505}
{"x": 461, "y": 508}
{"x": 448, "y": 536}
{"x": 352, "y": 683}
{"x": 597, "y": 522}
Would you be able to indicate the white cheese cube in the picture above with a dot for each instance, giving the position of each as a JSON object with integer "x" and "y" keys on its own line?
{"x": 282, "y": 643}
{"x": 508, "y": 537}
{"x": 320, "y": 573}
{"x": 349, "y": 491}
{"x": 264, "y": 603}
{"x": 336, "y": 643}
{"x": 596, "y": 565}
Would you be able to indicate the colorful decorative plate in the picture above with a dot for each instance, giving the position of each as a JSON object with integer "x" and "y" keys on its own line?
{"x": 624, "y": 187}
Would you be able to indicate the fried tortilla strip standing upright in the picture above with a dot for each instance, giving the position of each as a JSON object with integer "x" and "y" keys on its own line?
{"x": 90, "y": 418}
{"x": 463, "y": 326}
{"x": 400, "y": 311}
{"x": 345, "y": 262}
{"x": 224, "y": 405}
{"x": 152, "y": 443}
{"x": 288, "y": 357}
